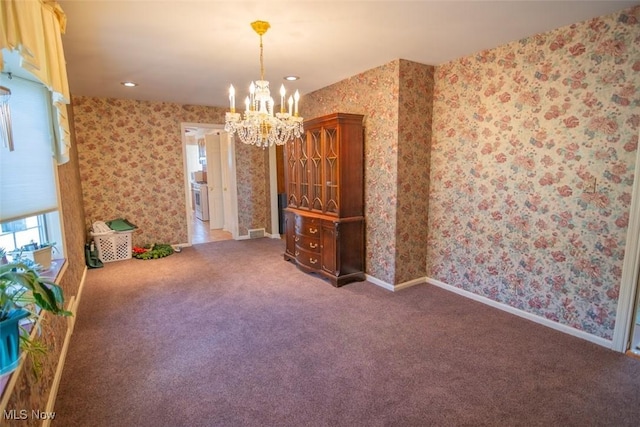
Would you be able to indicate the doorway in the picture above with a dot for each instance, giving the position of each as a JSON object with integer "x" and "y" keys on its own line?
{"x": 207, "y": 159}
{"x": 634, "y": 340}
{"x": 626, "y": 335}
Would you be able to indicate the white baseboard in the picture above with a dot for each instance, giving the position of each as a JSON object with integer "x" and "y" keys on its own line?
{"x": 504, "y": 307}
{"x": 393, "y": 288}
{"x": 378, "y": 282}
{"x": 73, "y": 307}
{"x": 410, "y": 283}
{"x": 529, "y": 316}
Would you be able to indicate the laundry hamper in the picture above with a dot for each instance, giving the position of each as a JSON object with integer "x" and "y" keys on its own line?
{"x": 114, "y": 246}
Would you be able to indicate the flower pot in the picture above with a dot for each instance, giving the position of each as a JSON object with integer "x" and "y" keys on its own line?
{"x": 40, "y": 256}
{"x": 10, "y": 341}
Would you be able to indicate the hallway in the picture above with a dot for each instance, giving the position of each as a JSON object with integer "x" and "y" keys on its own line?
{"x": 202, "y": 233}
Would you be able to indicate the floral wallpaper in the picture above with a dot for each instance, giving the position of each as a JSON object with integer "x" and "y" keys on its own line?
{"x": 532, "y": 164}
{"x": 395, "y": 99}
{"x": 130, "y": 155}
{"x": 252, "y": 177}
{"x": 415, "y": 111}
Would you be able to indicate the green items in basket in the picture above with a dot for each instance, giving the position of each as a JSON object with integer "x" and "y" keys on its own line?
{"x": 121, "y": 224}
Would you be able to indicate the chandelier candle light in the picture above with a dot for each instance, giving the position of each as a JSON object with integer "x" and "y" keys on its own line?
{"x": 261, "y": 127}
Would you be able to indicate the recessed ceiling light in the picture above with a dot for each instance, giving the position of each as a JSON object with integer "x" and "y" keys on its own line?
{"x": 291, "y": 78}
{"x": 129, "y": 84}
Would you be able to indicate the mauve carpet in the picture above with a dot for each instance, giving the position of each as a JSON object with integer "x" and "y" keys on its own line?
{"x": 229, "y": 334}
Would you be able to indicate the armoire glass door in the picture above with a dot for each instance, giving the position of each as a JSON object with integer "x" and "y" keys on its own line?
{"x": 315, "y": 169}
{"x": 303, "y": 164}
{"x": 293, "y": 191}
{"x": 331, "y": 167}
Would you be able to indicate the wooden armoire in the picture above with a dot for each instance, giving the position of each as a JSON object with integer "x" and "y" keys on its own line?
{"x": 324, "y": 181}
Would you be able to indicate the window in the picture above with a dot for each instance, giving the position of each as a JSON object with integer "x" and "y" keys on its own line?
{"x": 20, "y": 232}
{"x": 28, "y": 181}
{"x": 38, "y": 228}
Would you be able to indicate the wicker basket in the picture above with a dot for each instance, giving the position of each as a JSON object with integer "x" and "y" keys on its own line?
{"x": 113, "y": 246}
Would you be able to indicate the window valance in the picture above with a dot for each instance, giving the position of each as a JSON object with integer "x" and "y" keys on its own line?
{"x": 34, "y": 29}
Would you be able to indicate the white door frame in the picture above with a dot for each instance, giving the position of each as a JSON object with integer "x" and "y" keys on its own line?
{"x": 630, "y": 269}
{"x": 229, "y": 184}
{"x": 273, "y": 190}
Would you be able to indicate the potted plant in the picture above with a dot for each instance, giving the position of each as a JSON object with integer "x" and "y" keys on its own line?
{"x": 23, "y": 294}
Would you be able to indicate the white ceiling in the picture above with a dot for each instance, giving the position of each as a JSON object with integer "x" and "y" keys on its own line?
{"x": 189, "y": 51}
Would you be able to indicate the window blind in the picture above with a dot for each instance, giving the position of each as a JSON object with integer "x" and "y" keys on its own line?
{"x": 27, "y": 178}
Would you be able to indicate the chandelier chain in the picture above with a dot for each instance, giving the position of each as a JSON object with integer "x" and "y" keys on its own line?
{"x": 261, "y": 60}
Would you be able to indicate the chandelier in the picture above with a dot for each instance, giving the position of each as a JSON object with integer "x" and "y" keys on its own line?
{"x": 260, "y": 126}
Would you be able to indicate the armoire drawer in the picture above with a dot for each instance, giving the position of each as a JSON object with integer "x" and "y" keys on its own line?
{"x": 310, "y": 259}
{"x": 311, "y": 244}
{"x": 308, "y": 226}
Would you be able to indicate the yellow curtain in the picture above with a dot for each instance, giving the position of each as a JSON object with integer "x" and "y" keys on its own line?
{"x": 34, "y": 29}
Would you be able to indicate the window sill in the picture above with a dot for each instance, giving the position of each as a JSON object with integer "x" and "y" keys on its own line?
{"x": 56, "y": 271}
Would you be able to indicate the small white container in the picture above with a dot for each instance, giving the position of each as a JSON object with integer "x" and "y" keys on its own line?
{"x": 40, "y": 256}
